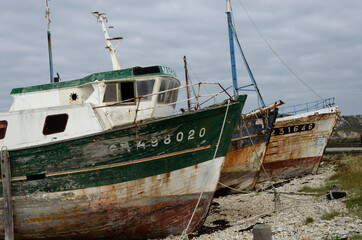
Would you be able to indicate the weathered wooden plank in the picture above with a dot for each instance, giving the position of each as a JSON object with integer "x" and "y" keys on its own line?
{"x": 8, "y": 206}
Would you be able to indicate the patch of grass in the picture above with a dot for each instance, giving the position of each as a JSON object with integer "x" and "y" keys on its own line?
{"x": 354, "y": 205}
{"x": 346, "y": 128}
{"x": 355, "y": 236}
{"x": 349, "y": 175}
{"x": 321, "y": 190}
{"x": 330, "y": 215}
{"x": 333, "y": 236}
{"x": 308, "y": 220}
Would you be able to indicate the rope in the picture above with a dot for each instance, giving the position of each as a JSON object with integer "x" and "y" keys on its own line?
{"x": 184, "y": 233}
{"x": 276, "y": 195}
{"x": 276, "y": 54}
{"x": 234, "y": 189}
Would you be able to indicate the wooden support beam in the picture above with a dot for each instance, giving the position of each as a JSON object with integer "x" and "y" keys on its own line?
{"x": 8, "y": 205}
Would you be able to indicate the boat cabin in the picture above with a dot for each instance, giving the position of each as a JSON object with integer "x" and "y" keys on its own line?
{"x": 95, "y": 103}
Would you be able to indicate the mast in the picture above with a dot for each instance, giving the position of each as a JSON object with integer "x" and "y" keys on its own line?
{"x": 47, "y": 13}
{"x": 231, "y": 45}
{"x": 232, "y": 32}
{"x": 112, "y": 51}
{"x": 187, "y": 84}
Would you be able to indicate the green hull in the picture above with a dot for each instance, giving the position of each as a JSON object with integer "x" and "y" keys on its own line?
{"x": 126, "y": 155}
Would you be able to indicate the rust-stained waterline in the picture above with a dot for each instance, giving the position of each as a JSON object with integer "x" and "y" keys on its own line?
{"x": 132, "y": 182}
{"x": 246, "y": 151}
{"x": 297, "y": 144}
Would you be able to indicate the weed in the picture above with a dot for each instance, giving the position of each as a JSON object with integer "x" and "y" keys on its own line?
{"x": 330, "y": 215}
{"x": 355, "y": 236}
{"x": 333, "y": 236}
{"x": 319, "y": 190}
{"x": 308, "y": 220}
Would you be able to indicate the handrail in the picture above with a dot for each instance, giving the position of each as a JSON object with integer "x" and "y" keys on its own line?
{"x": 306, "y": 107}
{"x": 196, "y": 107}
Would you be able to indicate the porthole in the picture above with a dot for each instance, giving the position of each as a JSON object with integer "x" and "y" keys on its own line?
{"x": 55, "y": 124}
{"x": 73, "y": 96}
{"x": 3, "y": 127}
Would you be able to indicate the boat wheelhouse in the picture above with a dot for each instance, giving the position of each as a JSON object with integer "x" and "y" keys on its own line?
{"x": 95, "y": 103}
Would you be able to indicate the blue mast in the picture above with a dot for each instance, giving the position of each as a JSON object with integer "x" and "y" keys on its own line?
{"x": 47, "y": 12}
{"x": 231, "y": 44}
{"x": 233, "y": 34}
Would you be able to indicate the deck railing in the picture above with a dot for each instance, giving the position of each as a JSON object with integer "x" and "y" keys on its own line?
{"x": 202, "y": 98}
{"x": 306, "y": 107}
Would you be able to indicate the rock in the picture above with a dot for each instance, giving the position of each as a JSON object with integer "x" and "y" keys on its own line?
{"x": 331, "y": 195}
{"x": 343, "y": 232}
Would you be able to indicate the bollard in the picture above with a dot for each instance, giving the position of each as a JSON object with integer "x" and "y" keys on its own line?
{"x": 262, "y": 232}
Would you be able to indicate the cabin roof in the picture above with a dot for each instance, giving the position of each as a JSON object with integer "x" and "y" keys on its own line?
{"x": 110, "y": 75}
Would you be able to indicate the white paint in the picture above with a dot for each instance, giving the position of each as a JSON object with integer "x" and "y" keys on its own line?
{"x": 25, "y": 128}
{"x": 321, "y": 111}
{"x": 87, "y": 113}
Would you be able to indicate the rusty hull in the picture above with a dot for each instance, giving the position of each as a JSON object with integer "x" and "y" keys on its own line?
{"x": 136, "y": 209}
{"x": 131, "y": 182}
{"x": 246, "y": 153}
{"x": 291, "y": 154}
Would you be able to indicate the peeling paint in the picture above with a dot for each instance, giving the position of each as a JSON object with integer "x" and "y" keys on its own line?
{"x": 297, "y": 153}
{"x": 94, "y": 188}
{"x": 247, "y": 151}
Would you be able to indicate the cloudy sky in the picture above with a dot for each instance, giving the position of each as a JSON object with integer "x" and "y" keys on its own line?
{"x": 319, "y": 40}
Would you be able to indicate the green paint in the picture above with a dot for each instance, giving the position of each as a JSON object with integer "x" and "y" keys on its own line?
{"x": 173, "y": 134}
{"x": 107, "y": 76}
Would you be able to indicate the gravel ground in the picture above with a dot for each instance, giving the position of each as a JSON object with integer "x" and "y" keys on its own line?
{"x": 233, "y": 216}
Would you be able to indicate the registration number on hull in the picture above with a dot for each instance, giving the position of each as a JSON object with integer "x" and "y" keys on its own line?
{"x": 292, "y": 129}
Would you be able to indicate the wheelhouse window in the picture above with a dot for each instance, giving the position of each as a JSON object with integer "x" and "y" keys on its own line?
{"x": 117, "y": 92}
{"x": 123, "y": 91}
{"x": 127, "y": 91}
{"x": 3, "y": 127}
{"x": 55, "y": 124}
{"x": 169, "y": 96}
{"x": 111, "y": 93}
{"x": 145, "y": 88}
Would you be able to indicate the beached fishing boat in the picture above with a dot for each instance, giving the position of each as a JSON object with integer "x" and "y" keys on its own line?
{"x": 104, "y": 157}
{"x": 107, "y": 157}
{"x": 297, "y": 142}
{"x": 299, "y": 139}
{"x": 246, "y": 151}
{"x": 251, "y": 136}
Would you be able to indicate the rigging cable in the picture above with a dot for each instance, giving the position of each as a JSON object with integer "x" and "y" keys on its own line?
{"x": 276, "y": 54}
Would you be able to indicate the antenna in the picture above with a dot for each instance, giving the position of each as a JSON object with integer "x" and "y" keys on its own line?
{"x": 112, "y": 51}
{"x": 47, "y": 13}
